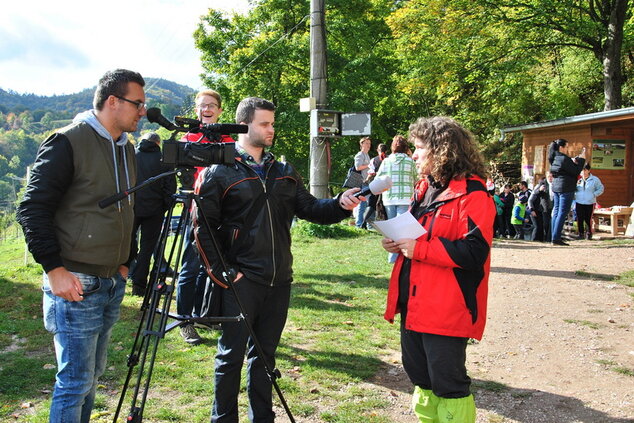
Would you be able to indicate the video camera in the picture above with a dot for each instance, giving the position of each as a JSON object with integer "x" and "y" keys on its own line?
{"x": 194, "y": 154}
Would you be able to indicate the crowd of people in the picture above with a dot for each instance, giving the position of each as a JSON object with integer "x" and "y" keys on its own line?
{"x": 86, "y": 250}
{"x": 567, "y": 193}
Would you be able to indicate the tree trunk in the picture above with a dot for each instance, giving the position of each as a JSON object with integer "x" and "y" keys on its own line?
{"x": 611, "y": 56}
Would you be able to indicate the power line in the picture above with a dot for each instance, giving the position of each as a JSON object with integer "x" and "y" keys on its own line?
{"x": 272, "y": 45}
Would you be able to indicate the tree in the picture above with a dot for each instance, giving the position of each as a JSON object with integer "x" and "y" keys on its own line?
{"x": 593, "y": 25}
{"x": 266, "y": 53}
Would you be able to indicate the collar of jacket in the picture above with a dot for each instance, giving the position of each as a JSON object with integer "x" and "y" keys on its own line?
{"x": 457, "y": 188}
{"x": 248, "y": 159}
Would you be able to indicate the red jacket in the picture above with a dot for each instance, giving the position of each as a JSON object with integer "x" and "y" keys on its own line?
{"x": 449, "y": 273}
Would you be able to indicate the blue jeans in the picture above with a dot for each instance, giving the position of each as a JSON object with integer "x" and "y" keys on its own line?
{"x": 266, "y": 308}
{"x": 362, "y": 206}
{"x": 391, "y": 212}
{"x": 561, "y": 206}
{"x": 191, "y": 280}
{"x": 81, "y": 334}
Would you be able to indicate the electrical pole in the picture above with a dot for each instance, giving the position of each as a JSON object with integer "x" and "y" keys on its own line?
{"x": 319, "y": 90}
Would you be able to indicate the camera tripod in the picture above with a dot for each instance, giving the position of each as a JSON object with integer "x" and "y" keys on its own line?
{"x": 155, "y": 308}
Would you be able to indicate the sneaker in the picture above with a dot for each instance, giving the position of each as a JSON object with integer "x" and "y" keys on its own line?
{"x": 559, "y": 242}
{"x": 189, "y": 334}
{"x": 588, "y": 235}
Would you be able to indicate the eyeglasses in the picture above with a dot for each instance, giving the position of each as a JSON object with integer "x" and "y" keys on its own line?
{"x": 139, "y": 104}
{"x": 204, "y": 106}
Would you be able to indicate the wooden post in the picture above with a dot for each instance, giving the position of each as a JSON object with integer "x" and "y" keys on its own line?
{"x": 319, "y": 90}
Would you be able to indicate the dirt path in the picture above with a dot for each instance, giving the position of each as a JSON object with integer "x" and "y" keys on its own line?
{"x": 559, "y": 345}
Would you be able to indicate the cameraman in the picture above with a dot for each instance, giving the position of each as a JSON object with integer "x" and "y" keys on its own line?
{"x": 192, "y": 276}
{"x": 250, "y": 207}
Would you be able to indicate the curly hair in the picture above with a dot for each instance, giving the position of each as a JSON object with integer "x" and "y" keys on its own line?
{"x": 453, "y": 152}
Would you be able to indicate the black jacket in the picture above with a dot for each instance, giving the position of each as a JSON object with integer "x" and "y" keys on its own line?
{"x": 251, "y": 219}
{"x": 565, "y": 172}
{"x": 155, "y": 198}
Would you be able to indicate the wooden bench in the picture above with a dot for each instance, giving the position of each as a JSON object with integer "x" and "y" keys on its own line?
{"x": 612, "y": 221}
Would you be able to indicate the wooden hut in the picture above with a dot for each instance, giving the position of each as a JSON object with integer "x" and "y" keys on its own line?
{"x": 607, "y": 137}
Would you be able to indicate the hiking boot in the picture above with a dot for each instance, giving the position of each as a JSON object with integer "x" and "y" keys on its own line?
{"x": 189, "y": 334}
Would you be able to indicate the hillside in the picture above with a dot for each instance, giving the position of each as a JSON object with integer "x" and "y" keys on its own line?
{"x": 158, "y": 91}
{"x": 26, "y": 120}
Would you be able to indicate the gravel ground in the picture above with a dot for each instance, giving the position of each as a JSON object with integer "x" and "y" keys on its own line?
{"x": 559, "y": 342}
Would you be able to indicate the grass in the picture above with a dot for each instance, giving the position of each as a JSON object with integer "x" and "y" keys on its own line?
{"x": 334, "y": 340}
{"x": 615, "y": 367}
{"x": 591, "y": 325}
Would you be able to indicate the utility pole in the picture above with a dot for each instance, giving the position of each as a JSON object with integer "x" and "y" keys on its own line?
{"x": 319, "y": 90}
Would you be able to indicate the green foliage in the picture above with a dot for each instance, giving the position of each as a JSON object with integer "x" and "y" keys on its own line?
{"x": 488, "y": 63}
{"x": 306, "y": 230}
{"x": 266, "y": 53}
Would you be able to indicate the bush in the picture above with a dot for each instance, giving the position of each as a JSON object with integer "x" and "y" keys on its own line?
{"x": 304, "y": 229}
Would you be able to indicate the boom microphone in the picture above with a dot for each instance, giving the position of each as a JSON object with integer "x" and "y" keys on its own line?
{"x": 377, "y": 186}
{"x": 154, "y": 115}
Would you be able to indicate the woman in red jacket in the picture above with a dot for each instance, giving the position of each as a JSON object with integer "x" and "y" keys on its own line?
{"x": 439, "y": 281}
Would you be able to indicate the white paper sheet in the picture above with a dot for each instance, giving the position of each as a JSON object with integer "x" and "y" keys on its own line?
{"x": 400, "y": 227}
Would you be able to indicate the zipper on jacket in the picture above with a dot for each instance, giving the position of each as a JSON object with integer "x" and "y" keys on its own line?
{"x": 268, "y": 208}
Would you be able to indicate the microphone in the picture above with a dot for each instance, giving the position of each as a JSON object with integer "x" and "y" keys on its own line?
{"x": 154, "y": 115}
{"x": 377, "y": 186}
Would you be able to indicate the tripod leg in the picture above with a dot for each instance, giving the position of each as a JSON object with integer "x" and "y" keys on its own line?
{"x": 149, "y": 328}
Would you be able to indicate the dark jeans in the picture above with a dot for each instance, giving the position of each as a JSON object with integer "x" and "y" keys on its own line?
{"x": 190, "y": 288}
{"x": 506, "y": 227}
{"x": 265, "y": 308}
{"x": 150, "y": 231}
{"x": 561, "y": 206}
{"x": 584, "y": 217}
{"x": 436, "y": 362}
{"x": 538, "y": 227}
{"x": 547, "y": 226}
{"x": 370, "y": 210}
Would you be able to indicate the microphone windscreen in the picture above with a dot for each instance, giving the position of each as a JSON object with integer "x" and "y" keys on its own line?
{"x": 153, "y": 114}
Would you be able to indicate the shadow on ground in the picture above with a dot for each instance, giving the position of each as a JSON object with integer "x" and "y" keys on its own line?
{"x": 534, "y": 406}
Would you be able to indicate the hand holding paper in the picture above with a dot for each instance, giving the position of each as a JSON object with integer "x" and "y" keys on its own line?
{"x": 399, "y": 227}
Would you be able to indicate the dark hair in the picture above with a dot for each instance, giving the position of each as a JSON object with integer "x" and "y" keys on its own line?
{"x": 152, "y": 137}
{"x": 524, "y": 184}
{"x": 453, "y": 152}
{"x": 587, "y": 166}
{"x": 381, "y": 148}
{"x": 247, "y": 107}
{"x": 509, "y": 186}
{"x": 399, "y": 144}
{"x": 115, "y": 83}
{"x": 554, "y": 147}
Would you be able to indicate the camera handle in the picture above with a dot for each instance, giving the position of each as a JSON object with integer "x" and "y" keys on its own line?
{"x": 161, "y": 293}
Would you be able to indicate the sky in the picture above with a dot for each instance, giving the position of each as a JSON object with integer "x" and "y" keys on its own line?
{"x": 62, "y": 47}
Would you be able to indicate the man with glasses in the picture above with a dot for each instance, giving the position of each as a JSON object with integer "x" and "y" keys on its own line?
{"x": 192, "y": 276}
{"x": 84, "y": 249}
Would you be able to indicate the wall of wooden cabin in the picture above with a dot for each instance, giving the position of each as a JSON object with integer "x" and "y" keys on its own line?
{"x": 619, "y": 184}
